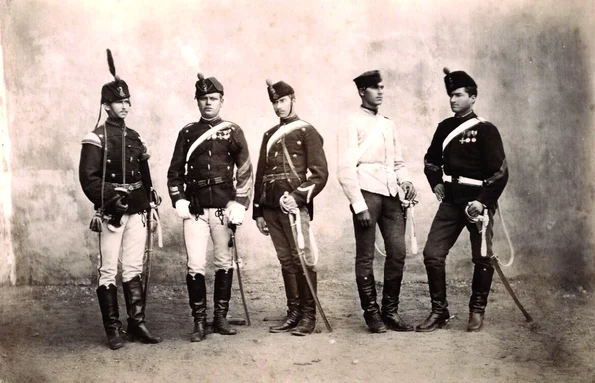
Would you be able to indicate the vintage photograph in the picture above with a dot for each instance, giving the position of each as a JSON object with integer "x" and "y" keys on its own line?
{"x": 314, "y": 191}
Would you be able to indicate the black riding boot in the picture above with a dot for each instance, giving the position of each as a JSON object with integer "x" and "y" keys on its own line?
{"x": 292, "y": 292}
{"x": 439, "y": 315}
{"x": 222, "y": 295}
{"x": 366, "y": 287}
{"x": 108, "y": 303}
{"x": 197, "y": 296}
{"x": 137, "y": 330}
{"x": 307, "y": 324}
{"x": 480, "y": 287}
{"x": 390, "y": 305}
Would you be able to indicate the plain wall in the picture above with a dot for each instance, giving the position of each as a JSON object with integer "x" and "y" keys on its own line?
{"x": 533, "y": 62}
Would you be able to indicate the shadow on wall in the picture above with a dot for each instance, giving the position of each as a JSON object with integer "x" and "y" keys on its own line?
{"x": 540, "y": 97}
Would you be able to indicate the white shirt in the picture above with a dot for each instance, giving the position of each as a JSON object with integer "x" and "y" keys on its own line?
{"x": 380, "y": 169}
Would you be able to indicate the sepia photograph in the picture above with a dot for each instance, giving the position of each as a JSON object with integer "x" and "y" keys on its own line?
{"x": 297, "y": 191}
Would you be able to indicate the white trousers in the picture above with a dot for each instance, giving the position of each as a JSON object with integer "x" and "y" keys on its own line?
{"x": 130, "y": 238}
{"x": 196, "y": 237}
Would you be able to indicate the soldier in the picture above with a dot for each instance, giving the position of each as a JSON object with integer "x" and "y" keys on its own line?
{"x": 288, "y": 151}
{"x": 372, "y": 173}
{"x": 200, "y": 180}
{"x": 466, "y": 168}
{"x": 114, "y": 174}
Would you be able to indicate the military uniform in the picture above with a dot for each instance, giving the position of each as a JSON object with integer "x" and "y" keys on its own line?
{"x": 467, "y": 156}
{"x": 114, "y": 167}
{"x": 288, "y": 151}
{"x": 205, "y": 178}
{"x": 370, "y": 173}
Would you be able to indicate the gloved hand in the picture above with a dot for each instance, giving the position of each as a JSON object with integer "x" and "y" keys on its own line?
{"x": 287, "y": 203}
{"x": 235, "y": 212}
{"x": 473, "y": 210}
{"x": 182, "y": 208}
{"x": 120, "y": 206}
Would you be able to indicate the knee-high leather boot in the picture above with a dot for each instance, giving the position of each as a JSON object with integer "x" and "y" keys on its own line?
{"x": 307, "y": 324}
{"x": 137, "y": 330}
{"x": 366, "y": 287}
{"x": 480, "y": 287}
{"x": 197, "y": 296}
{"x": 439, "y": 315}
{"x": 108, "y": 303}
{"x": 294, "y": 313}
{"x": 222, "y": 295}
{"x": 390, "y": 305}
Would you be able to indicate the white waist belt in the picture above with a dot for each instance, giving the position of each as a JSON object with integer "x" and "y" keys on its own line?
{"x": 462, "y": 180}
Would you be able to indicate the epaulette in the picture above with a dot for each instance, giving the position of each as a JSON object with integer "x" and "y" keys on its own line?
{"x": 145, "y": 156}
{"x": 93, "y": 139}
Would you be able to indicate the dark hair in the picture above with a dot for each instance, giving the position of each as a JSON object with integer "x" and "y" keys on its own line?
{"x": 471, "y": 90}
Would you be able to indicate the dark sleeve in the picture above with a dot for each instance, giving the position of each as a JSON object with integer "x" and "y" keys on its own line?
{"x": 317, "y": 165}
{"x": 176, "y": 171}
{"x": 433, "y": 160}
{"x": 260, "y": 167}
{"x": 244, "y": 168}
{"x": 145, "y": 172}
{"x": 494, "y": 165}
{"x": 90, "y": 175}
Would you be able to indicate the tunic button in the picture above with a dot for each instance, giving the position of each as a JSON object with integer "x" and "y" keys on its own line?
{"x": 228, "y": 168}
{"x": 191, "y": 167}
{"x": 299, "y": 142}
{"x": 186, "y": 130}
{"x": 187, "y": 140}
{"x": 209, "y": 166}
{"x": 109, "y": 161}
{"x": 303, "y": 129}
{"x": 113, "y": 175}
{"x": 295, "y": 155}
{"x": 210, "y": 153}
{"x": 128, "y": 146}
{"x": 131, "y": 159}
{"x": 228, "y": 153}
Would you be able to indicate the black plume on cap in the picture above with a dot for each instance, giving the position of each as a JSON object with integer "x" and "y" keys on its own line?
{"x": 207, "y": 85}
{"x": 457, "y": 79}
{"x": 116, "y": 90}
{"x": 278, "y": 90}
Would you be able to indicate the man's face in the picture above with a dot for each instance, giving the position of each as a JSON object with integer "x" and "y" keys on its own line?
{"x": 460, "y": 101}
{"x": 210, "y": 105}
{"x": 372, "y": 96}
{"x": 118, "y": 109}
{"x": 283, "y": 106}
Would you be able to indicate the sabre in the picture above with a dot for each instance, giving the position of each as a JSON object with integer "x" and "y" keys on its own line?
{"x": 234, "y": 249}
{"x": 152, "y": 219}
{"x": 298, "y": 236}
{"x": 496, "y": 264}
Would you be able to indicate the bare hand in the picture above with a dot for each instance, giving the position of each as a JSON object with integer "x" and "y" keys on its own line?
{"x": 262, "y": 225}
{"x": 410, "y": 192}
{"x": 440, "y": 192}
{"x": 364, "y": 218}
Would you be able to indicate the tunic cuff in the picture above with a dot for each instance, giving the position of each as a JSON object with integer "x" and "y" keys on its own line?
{"x": 359, "y": 206}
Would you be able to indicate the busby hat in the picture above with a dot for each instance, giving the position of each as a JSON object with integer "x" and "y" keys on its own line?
{"x": 116, "y": 90}
{"x": 278, "y": 90}
{"x": 207, "y": 85}
{"x": 457, "y": 79}
{"x": 368, "y": 79}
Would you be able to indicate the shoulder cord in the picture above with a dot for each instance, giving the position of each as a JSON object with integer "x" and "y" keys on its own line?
{"x": 287, "y": 157}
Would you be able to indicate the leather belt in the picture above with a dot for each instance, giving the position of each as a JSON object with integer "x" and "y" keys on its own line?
{"x": 208, "y": 182}
{"x": 129, "y": 187}
{"x": 462, "y": 180}
{"x": 275, "y": 177}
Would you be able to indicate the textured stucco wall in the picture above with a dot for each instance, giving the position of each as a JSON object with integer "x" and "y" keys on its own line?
{"x": 532, "y": 60}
